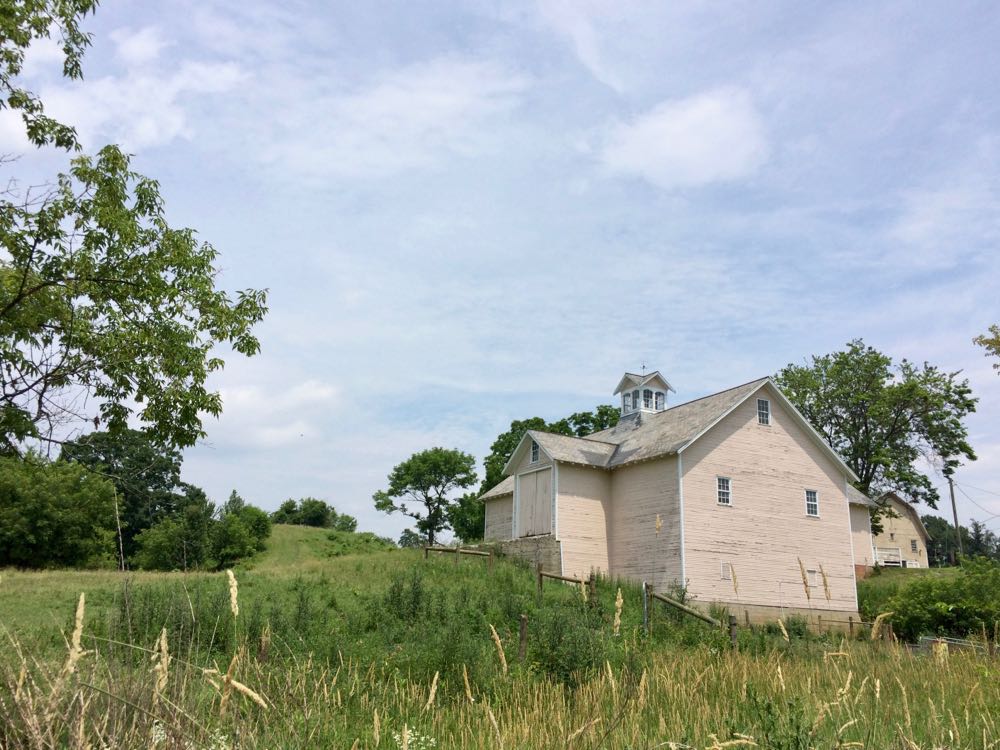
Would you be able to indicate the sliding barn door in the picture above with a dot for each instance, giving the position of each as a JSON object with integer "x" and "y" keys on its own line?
{"x": 535, "y": 503}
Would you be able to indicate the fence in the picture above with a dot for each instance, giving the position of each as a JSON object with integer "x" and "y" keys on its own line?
{"x": 457, "y": 551}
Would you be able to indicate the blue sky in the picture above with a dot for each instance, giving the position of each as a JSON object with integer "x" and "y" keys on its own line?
{"x": 469, "y": 213}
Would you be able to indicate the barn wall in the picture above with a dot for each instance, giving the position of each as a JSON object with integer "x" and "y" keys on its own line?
{"x": 583, "y": 507}
{"x": 766, "y": 531}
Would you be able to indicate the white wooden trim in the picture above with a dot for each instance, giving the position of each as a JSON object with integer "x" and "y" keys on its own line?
{"x": 517, "y": 451}
{"x": 730, "y": 490}
{"x": 680, "y": 502}
{"x": 850, "y": 537}
{"x": 516, "y": 506}
{"x": 537, "y": 469}
{"x": 555, "y": 504}
{"x": 805, "y": 500}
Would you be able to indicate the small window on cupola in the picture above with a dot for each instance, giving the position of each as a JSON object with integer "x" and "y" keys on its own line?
{"x": 647, "y": 399}
{"x": 627, "y": 401}
{"x": 534, "y": 452}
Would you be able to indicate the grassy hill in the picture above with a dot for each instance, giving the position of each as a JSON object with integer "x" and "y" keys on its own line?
{"x": 340, "y": 644}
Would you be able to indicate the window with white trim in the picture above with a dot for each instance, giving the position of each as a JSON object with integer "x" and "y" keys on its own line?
{"x": 635, "y": 399}
{"x": 763, "y": 411}
{"x": 647, "y": 399}
{"x": 913, "y": 545}
{"x": 627, "y": 401}
{"x": 812, "y": 578}
{"x": 661, "y": 400}
{"x": 726, "y": 571}
{"x": 812, "y": 503}
{"x": 725, "y": 490}
{"x": 534, "y": 452}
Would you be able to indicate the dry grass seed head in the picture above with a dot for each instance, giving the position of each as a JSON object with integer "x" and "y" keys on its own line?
{"x": 234, "y": 591}
{"x": 499, "y": 645}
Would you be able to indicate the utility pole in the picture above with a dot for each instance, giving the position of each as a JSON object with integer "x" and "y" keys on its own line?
{"x": 954, "y": 511}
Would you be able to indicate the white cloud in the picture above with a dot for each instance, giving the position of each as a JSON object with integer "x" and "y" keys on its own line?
{"x": 273, "y": 415}
{"x": 715, "y": 136}
{"x": 408, "y": 118}
{"x": 136, "y": 48}
{"x": 139, "y": 109}
{"x": 576, "y": 20}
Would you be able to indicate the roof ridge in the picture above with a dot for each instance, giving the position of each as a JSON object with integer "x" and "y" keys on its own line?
{"x": 712, "y": 395}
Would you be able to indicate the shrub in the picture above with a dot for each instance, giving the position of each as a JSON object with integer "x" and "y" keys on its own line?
{"x": 958, "y": 605}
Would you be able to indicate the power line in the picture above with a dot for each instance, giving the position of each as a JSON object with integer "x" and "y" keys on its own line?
{"x": 980, "y": 489}
{"x": 984, "y": 510}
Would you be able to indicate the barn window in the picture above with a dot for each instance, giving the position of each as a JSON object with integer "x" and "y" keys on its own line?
{"x": 647, "y": 399}
{"x": 627, "y": 401}
{"x": 727, "y": 571}
{"x": 725, "y": 493}
{"x": 913, "y": 545}
{"x": 812, "y": 503}
{"x": 660, "y": 400}
{"x": 811, "y": 577}
{"x": 763, "y": 411}
{"x": 534, "y": 452}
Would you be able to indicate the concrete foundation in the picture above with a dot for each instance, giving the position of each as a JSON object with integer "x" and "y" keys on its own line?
{"x": 543, "y": 549}
{"x": 820, "y": 620}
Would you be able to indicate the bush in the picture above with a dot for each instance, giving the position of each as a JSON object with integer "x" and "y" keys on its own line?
{"x": 54, "y": 515}
{"x": 959, "y": 605}
{"x": 258, "y": 523}
{"x": 231, "y": 540}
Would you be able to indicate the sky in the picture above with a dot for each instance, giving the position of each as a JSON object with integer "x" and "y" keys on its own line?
{"x": 467, "y": 213}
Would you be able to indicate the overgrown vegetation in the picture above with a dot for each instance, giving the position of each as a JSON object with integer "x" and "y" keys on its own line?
{"x": 960, "y": 602}
{"x": 329, "y": 652}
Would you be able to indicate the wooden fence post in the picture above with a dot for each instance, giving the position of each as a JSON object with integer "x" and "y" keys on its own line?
{"x": 592, "y": 590}
{"x": 850, "y": 625}
{"x": 539, "y": 572}
{"x": 490, "y": 565}
{"x": 645, "y": 608}
{"x": 522, "y": 648}
{"x": 426, "y": 552}
{"x": 819, "y": 624}
{"x": 732, "y": 630}
{"x": 458, "y": 551}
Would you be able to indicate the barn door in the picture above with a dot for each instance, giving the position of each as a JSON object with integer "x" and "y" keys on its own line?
{"x": 535, "y": 503}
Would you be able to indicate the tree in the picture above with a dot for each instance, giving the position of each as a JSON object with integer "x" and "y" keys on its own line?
{"x": 411, "y": 539}
{"x": 54, "y": 514}
{"x": 99, "y": 295}
{"x": 231, "y": 540}
{"x": 468, "y": 517}
{"x": 419, "y": 487}
{"x": 145, "y": 473}
{"x": 990, "y": 341}
{"x": 342, "y": 521}
{"x": 882, "y": 417}
{"x": 288, "y": 512}
{"x": 313, "y": 512}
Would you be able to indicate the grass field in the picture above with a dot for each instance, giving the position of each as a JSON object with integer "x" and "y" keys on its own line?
{"x": 382, "y": 649}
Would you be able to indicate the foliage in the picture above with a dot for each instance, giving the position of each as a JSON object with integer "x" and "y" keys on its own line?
{"x": 411, "y": 539}
{"x": 990, "y": 341}
{"x": 961, "y": 605}
{"x": 379, "y": 634}
{"x": 312, "y": 512}
{"x": 54, "y": 515}
{"x": 419, "y": 487}
{"x": 882, "y": 417}
{"x": 99, "y": 295}
{"x": 258, "y": 523}
{"x": 232, "y": 540}
{"x": 579, "y": 424}
{"x": 146, "y": 474}
{"x": 467, "y": 517}
{"x": 977, "y": 540}
{"x": 353, "y": 543}
{"x": 180, "y": 541}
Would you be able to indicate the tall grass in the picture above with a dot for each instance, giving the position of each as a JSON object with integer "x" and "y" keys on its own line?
{"x": 391, "y": 650}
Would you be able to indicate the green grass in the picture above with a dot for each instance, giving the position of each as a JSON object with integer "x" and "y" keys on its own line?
{"x": 353, "y": 647}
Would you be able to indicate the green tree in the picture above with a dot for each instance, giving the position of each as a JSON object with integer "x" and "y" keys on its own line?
{"x": 313, "y": 512}
{"x": 232, "y": 541}
{"x": 420, "y": 487}
{"x": 258, "y": 523}
{"x": 99, "y": 295}
{"x": 990, "y": 341}
{"x": 882, "y": 417}
{"x": 467, "y": 517}
{"x": 146, "y": 474}
{"x": 342, "y": 521}
{"x": 54, "y": 515}
{"x": 288, "y": 512}
{"x": 410, "y": 539}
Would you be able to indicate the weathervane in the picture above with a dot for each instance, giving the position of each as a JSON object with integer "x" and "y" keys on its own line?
{"x": 643, "y": 368}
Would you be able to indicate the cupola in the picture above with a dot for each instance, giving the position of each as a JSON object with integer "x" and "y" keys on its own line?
{"x": 643, "y": 393}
